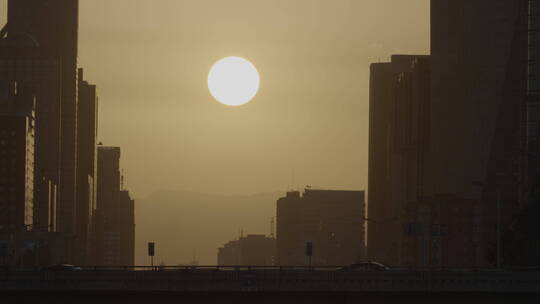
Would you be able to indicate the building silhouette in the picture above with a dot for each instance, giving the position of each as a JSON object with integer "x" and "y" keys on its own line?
{"x": 126, "y": 228}
{"x": 470, "y": 146}
{"x": 53, "y": 26}
{"x": 38, "y": 51}
{"x": 86, "y": 165}
{"x": 251, "y": 250}
{"x": 17, "y": 131}
{"x": 23, "y": 241}
{"x": 484, "y": 59}
{"x": 229, "y": 254}
{"x": 22, "y": 61}
{"x": 333, "y": 221}
{"x": 398, "y": 139}
{"x": 114, "y": 218}
{"x": 107, "y": 242}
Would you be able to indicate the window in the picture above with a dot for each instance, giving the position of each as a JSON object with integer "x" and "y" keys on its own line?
{"x": 534, "y": 85}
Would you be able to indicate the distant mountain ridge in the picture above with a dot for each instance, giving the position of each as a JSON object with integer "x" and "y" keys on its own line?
{"x": 186, "y": 224}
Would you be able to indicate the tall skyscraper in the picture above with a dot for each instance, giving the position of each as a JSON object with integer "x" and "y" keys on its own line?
{"x": 530, "y": 131}
{"x": 114, "y": 218}
{"x": 17, "y": 112}
{"x": 52, "y": 26}
{"x": 86, "y": 165}
{"x": 398, "y": 138}
{"x": 483, "y": 128}
{"x": 472, "y": 44}
{"x": 126, "y": 228}
{"x": 333, "y": 221}
{"x": 107, "y": 239}
{"x": 22, "y": 61}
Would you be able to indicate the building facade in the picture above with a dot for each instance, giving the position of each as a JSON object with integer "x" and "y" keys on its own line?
{"x": 398, "y": 139}
{"x": 333, "y": 221}
{"x": 126, "y": 228}
{"x": 107, "y": 242}
{"x": 114, "y": 217}
{"x": 25, "y": 243}
{"x": 17, "y": 132}
{"x": 251, "y": 250}
{"x": 86, "y": 165}
{"x": 52, "y": 26}
{"x": 38, "y": 51}
{"x": 484, "y": 59}
{"x": 441, "y": 231}
{"x": 22, "y": 61}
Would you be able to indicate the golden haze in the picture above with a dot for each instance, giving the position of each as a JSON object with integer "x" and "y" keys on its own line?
{"x": 150, "y": 60}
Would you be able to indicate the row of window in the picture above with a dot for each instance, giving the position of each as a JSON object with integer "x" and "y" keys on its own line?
{"x": 5, "y": 143}
{"x": 5, "y": 133}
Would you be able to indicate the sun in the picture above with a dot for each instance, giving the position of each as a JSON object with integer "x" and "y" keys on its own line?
{"x": 233, "y": 81}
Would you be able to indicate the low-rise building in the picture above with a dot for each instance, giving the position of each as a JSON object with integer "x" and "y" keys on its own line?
{"x": 332, "y": 221}
{"x": 251, "y": 250}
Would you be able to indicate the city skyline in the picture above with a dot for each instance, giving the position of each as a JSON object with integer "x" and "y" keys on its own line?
{"x": 57, "y": 210}
{"x": 408, "y": 170}
{"x": 153, "y": 62}
{"x": 270, "y": 151}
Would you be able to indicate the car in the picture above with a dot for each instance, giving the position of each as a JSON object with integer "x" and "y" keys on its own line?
{"x": 61, "y": 267}
{"x": 366, "y": 266}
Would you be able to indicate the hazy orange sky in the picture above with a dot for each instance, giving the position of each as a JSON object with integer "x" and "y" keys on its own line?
{"x": 150, "y": 60}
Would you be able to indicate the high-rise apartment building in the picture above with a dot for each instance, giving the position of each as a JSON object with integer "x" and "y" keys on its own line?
{"x": 86, "y": 165}
{"x": 22, "y": 61}
{"x": 51, "y": 26}
{"x": 332, "y": 221}
{"x": 398, "y": 138}
{"x": 126, "y": 228}
{"x": 480, "y": 126}
{"x": 483, "y": 118}
{"x": 114, "y": 219}
{"x": 107, "y": 239}
{"x": 17, "y": 131}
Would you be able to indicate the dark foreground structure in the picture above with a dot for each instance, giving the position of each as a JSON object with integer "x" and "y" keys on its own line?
{"x": 269, "y": 285}
{"x": 315, "y": 297}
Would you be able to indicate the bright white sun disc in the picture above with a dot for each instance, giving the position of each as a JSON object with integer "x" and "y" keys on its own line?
{"x": 233, "y": 81}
